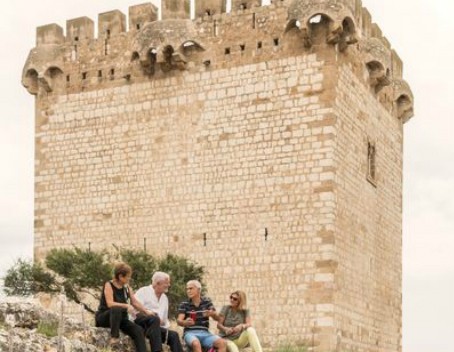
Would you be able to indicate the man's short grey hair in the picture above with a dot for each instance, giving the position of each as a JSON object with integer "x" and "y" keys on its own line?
{"x": 159, "y": 276}
{"x": 195, "y": 283}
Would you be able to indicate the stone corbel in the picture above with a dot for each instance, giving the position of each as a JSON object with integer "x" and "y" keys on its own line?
{"x": 44, "y": 83}
{"x": 403, "y": 100}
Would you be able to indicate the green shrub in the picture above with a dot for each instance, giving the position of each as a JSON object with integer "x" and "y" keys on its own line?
{"x": 26, "y": 278}
{"x": 291, "y": 348}
{"x": 83, "y": 268}
{"x": 143, "y": 266}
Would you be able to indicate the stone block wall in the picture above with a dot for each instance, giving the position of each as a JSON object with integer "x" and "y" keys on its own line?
{"x": 264, "y": 144}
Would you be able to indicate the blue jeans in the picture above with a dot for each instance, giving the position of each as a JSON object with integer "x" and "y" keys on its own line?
{"x": 205, "y": 337}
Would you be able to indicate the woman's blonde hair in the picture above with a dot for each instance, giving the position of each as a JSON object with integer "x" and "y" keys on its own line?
{"x": 243, "y": 300}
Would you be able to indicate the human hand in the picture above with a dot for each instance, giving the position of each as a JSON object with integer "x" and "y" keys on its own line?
{"x": 237, "y": 328}
{"x": 209, "y": 313}
{"x": 189, "y": 322}
{"x": 150, "y": 313}
{"x": 131, "y": 309}
{"x": 228, "y": 331}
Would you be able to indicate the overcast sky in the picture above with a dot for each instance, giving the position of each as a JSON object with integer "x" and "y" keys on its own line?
{"x": 421, "y": 31}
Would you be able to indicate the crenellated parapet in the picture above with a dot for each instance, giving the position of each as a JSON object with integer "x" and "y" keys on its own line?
{"x": 142, "y": 47}
{"x": 168, "y": 44}
{"x": 333, "y": 16}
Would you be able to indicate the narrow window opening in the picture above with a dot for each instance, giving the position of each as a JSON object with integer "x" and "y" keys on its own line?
{"x": 76, "y": 39}
{"x": 243, "y": 6}
{"x": 138, "y": 26}
{"x": 208, "y": 12}
{"x": 216, "y": 29}
{"x": 371, "y": 162}
{"x": 99, "y": 73}
{"x": 112, "y": 73}
{"x": 108, "y": 33}
{"x": 68, "y": 78}
{"x": 74, "y": 53}
{"x": 242, "y": 47}
{"x": 259, "y": 45}
{"x": 227, "y": 51}
{"x": 276, "y": 41}
{"x": 253, "y": 20}
{"x": 84, "y": 75}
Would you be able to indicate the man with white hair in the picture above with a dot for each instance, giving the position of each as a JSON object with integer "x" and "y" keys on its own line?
{"x": 194, "y": 315}
{"x": 154, "y": 298}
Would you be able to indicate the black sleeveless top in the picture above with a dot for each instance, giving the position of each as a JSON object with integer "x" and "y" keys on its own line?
{"x": 120, "y": 295}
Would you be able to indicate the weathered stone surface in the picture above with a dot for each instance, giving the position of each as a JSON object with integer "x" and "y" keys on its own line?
{"x": 18, "y": 332}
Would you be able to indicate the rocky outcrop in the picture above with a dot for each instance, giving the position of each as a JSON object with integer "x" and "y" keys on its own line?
{"x": 20, "y": 331}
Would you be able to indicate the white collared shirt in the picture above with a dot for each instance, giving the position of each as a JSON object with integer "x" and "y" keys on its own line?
{"x": 148, "y": 298}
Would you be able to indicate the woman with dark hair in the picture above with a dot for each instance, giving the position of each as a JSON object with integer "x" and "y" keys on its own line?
{"x": 116, "y": 305}
{"x": 235, "y": 324}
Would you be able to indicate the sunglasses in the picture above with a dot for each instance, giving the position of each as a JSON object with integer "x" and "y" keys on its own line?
{"x": 233, "y": 298}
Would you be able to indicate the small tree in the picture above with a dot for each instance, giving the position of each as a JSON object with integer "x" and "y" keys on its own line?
{"x": 25, "y": 278}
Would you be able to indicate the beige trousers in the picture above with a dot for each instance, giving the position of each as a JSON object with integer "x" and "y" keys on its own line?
{"x": 247, "y": 337}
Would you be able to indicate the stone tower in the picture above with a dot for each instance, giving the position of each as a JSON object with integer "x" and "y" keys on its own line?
{"x": 264, "y": 144}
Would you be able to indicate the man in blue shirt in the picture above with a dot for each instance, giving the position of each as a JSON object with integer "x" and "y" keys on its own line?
{"x": 194, "y": 315}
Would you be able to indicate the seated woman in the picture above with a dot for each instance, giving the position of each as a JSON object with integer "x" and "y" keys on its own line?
{"x": 235, "y": 324}
{"x": 117, "y": 302}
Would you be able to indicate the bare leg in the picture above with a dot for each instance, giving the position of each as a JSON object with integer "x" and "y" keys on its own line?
{"x": 219, "y": 344}
{"x": 196, "y": 347}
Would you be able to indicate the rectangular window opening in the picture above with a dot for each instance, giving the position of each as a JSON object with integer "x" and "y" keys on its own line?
{"x": 216, "y": 28}
{"x": 371, "y": 162}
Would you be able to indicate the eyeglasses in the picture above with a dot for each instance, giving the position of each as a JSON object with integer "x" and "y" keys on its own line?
{"x": 233, "y": 298}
